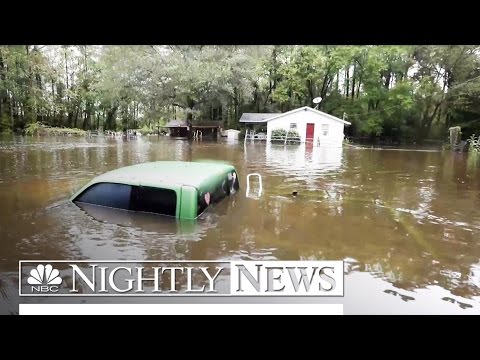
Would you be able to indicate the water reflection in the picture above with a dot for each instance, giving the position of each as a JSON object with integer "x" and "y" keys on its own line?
{"x": 306, "y": 161}
{"x": 407, "y": 221}
{"x": 186, "y": 230}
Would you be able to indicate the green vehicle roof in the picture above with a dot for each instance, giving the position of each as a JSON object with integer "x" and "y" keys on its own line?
{"x": 167, "y": 174}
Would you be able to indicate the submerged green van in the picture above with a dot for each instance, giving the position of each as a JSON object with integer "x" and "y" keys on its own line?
{"x": 173, "y": 188}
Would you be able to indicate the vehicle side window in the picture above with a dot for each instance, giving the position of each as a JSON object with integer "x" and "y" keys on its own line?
{"x": 154, "y": 200}
{"x": 107, "y": 194}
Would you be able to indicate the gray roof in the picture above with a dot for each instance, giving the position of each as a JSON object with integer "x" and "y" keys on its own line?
{"x": 308, "y": 108}
{"x": 176, "y": 123}
{"x": 256, "y": 117}
{"x": 265, "y": 117}
{"x": 195, "y": 124}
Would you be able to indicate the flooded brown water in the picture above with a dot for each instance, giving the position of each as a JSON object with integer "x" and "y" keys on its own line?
{"x": 406, "y": 223}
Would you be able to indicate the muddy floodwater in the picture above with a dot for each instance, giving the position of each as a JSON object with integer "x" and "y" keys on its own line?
{"x": 406, "y": 223}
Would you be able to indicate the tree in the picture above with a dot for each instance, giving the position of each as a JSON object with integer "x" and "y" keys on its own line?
{"x": 391, "y": 92}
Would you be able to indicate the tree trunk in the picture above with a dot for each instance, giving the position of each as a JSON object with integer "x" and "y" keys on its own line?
{"x": 270, "y": 89}
{"x": 310, "y": 92}
{"x": 347, "y": 82}
{"x": 76, "y": 117}
{"x": 353, "y": 80}
{"x": 30, "y": 105}
{"x": 359, "y": 82}
{"x": 388, "y": 78}
{"x": 323, "y": 92}
{"x": 256, "y": 97}
{"x": 111, "y": 118}
{"x": 191, "y": 104}
{"x": 3, "y": 92}
{"x": 67, "y": 88}
{"x": 70, "y": 119}
{"x": 12, "y": 103}
{"x": 235, "y": 104}
{"x": 66, "y": 71}
{"x": 371, "y": 105}
{"x": 88, "y": 116}
{"x": 428, "y": 120}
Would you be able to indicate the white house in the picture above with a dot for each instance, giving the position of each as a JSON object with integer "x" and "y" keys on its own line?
{"x": 312, "y": 125}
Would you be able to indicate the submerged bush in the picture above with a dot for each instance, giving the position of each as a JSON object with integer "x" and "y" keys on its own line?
{"x": 40, "y": 129}
{"x": 279, "y": 136}
{"x": 145, "y": 130}
{"x": 241, "y": 134}
{"x": 32, "y": 129}
{"x": 474, "y": 144}
{"x": 447, "y": 146}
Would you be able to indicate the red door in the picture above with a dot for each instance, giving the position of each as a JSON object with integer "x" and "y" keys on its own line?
{"x": 310, "y": 130}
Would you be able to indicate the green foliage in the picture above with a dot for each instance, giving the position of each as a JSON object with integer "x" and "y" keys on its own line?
{"x": 63, "y": 131}
{"x": 32, "y": 129}
{"x": 397, "y": 92}
{"x": 242, "y": 133}
{"x": 373, "y": 124}
{"x": 40, "y": 129}
{"x": 5, "y": 125}
{"x": 474, "y": 143}
{"x": 280, "y": 135}
{"x": 145, "y": 130}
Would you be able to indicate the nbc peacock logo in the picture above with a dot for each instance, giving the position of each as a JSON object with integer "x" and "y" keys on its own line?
{"x": 44, "y": 279}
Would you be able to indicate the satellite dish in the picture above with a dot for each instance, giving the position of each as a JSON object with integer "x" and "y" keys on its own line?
{"x": 317, "y": 100}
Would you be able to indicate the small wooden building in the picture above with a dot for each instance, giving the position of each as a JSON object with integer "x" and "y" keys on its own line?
{"x": 182, "y": 128}
{"x": 177, "y": 128}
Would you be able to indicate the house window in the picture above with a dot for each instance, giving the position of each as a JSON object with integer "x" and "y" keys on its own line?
{"x": 293, "y": 125}
{"x": 325, "y": 129}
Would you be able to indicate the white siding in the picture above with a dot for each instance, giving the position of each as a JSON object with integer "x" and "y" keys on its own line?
{"x": 301, "y": 118}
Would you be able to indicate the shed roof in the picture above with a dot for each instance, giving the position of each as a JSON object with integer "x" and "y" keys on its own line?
{"x": 176, "y": 123}
{"x": 195, "y": 124}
